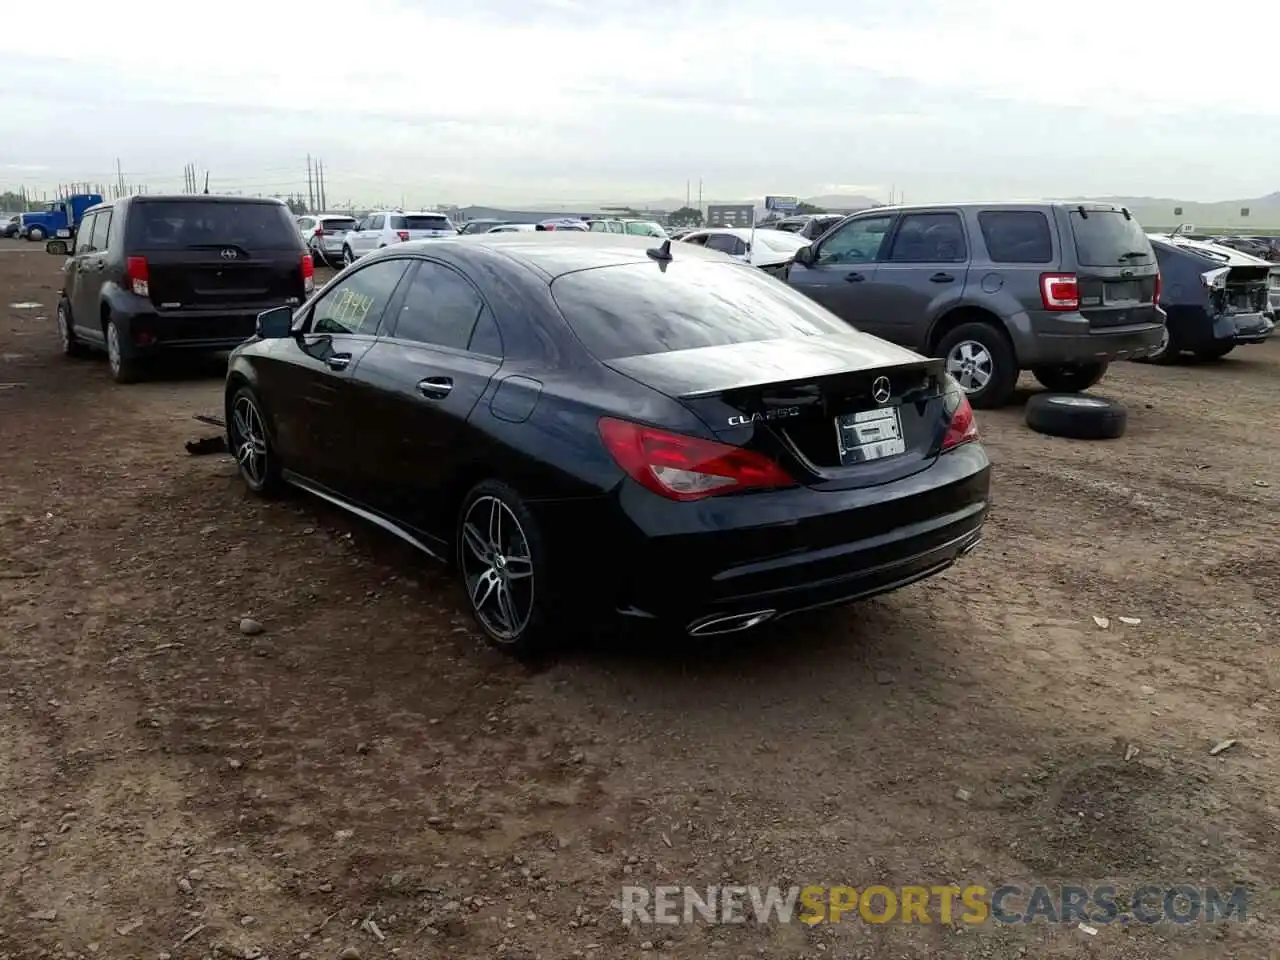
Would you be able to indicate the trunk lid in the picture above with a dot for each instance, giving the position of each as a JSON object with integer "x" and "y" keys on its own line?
{"x": 1115, "y": 267}
{"x": 1244, "y": 289}
{"x": 206, "y": 279}
{"x": 839, "y": 411}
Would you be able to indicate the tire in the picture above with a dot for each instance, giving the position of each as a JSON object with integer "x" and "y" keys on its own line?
{"x": 35, "y": 234}
{"x": 1077, "y": 416}
{"x": 123, "y": 369}
{"x": 1071, "y": 378}
{"x": 249, "y": 442}
{"x": 1169, "y": 352}
{"x": 318, "y": 258}
{"x": 1215, "y": 351}
{"x": 522, "y": 627}
{"x": 71, "y": 345}
{"x": 347, "y": 258}
{"x": 974, "y": 349}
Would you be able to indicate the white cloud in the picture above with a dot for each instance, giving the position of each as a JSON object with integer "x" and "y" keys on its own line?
{"x": 508, "y": 100}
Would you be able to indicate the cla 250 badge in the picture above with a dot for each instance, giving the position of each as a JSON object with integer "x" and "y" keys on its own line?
{"x": 781, "y": 413}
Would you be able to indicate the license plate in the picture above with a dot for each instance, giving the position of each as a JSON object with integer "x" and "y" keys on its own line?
{"x": 1125, "y": 292}
{"x": 870, "y": 435}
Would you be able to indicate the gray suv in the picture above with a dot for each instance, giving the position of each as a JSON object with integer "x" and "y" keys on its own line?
{"x": 1060, "y": 289}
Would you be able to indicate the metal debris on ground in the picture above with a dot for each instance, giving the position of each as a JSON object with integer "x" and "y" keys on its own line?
{"x": 1220, "y": 746}
{"x": 1130, "y": 621}
{"x": 1102, "y": 622}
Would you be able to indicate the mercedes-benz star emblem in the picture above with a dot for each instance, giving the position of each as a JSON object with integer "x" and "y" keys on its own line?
{"x": 880, "y": 390}
{"x": 229, "y": 254}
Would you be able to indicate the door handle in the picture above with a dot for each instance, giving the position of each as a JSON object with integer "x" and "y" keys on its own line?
{"x": 338, "y": 361}
{"x": 435, "y": 388}
{"x": 942, "y": 278}
{"x": 854, "y": 277}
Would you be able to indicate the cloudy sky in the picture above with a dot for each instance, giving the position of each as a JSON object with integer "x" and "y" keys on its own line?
{"x": 521, "y": 101}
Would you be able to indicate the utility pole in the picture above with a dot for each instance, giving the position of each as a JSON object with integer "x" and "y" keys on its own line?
{"x": 323, "y": 199}
{"x": 311, "y": 196}
{"x": 687, "y": 196}
{"x": 700, "y": 196}
{"x": 119, "y": 179}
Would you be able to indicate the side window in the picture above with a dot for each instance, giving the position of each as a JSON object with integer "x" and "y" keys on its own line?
{"x": 699, "y": 239}
{"x": 356, "y": 304}
{"x": 305, "y": 224}
{"x": 375, "y": 223}
{"x": 724, "y": 242}
{"x": 599, "y": 226}
{"x": 101, "y": 230}
{"x": 362, "y": 225}
{"x": 1016, "y": 236}
{"x": 929, "y": 238}
{"x": 486, "y": 338}
{"x": 399, "y": 223}
{"x": 84, "y": 234}
{"x": 440, "y": 308}
{"x": 858, "y": 241}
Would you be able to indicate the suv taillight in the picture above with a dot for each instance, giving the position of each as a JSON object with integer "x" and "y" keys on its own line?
{"x": 403, "y": 235}
{"x": 1060, "y": 291}
{"x": 308, "y": 273}
{"x": 136, "y": 273}
{"x": 319, "y": 229}
{"x": 1155, "y": 295}
{"x": 680, "y": 467}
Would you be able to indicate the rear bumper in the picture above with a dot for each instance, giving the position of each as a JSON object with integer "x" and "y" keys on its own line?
{"x": 680, "y": 566}
{"x": 145, "y": 333}
{"x": 1253, "y": 327}
{"x": 1043, "y": 338}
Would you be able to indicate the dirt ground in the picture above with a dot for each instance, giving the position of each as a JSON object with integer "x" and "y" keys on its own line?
{"x": 172, "y": 787}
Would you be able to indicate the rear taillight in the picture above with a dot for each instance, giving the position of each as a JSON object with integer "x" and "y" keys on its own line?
{"x": 1155, "y": 294}
{"x": 308, "y": 273}
{"x": 963, "y": 426}
{"x": 136, "y": 273}
{"x": 403, "y": 235}
{"x": 319, "y": 229}
{"x": 680, "y": 467}
{"x": 1060, "y": 291}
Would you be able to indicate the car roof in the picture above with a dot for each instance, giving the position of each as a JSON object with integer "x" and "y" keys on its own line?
{"x": 200, "y": 198}
{"x": 555, "y": 252}
{"x": 1089, "y": 205}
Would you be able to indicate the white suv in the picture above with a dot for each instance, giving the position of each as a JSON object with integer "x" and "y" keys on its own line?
{"x": 393, "y": 226}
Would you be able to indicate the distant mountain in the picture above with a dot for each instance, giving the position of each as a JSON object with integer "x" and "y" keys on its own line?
{"x": 826, "y": 202}
{"x": 1160, "y": 213}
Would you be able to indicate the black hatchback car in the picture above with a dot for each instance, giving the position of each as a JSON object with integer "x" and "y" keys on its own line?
{"x": 593, "y": 426}
{"x": 155, "y": 276}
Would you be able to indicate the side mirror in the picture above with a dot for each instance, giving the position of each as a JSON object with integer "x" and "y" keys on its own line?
{"x": 58, "y": 247}
{"x": 805, "y": 256}
{"x": 64, "y": 233}
{"x": 275, "y": 324}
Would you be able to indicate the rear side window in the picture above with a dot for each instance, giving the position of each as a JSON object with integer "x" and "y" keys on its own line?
{"x": 1016, "y": 236}
{"x": 440, "y": 308}
{"x": 197, "y": 224}
{"x": 1106, "y": 238}
{"x": 101, "y": 230}
{"x": 637, "y": 310}
{"x": 375, "y": 223}
{"x": 929, "y": 238}
{"x": 726, "y": 243}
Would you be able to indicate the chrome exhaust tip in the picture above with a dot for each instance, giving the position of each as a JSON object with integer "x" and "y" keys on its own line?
{"x": 971, "y": 546}
{"x": 731, "y": 624}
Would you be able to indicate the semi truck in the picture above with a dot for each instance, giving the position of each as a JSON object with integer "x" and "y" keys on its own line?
{"x": 56, "y": 215}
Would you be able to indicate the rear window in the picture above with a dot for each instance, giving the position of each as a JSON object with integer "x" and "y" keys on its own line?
{"x": 185, "y": 224}
{"x": 339, "y": 225}
{"x": 1016, "y": 236}
{"x": 637, "y": 309}
{"x": 414, "y": 222}
{"x": 1106, "y": 238}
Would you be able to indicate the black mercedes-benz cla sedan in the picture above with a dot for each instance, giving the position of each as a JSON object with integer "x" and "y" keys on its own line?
{"x": 592, "y": 426}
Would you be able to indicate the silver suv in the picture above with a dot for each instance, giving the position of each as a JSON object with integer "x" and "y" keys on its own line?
{"x": 1060, "y": 289}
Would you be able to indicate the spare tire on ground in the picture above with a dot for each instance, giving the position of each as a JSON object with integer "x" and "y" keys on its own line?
{"x": 1079, "y": 416}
